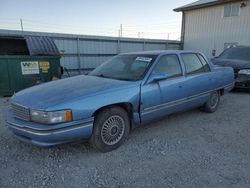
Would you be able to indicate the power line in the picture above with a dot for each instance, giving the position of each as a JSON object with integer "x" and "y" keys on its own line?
{"x": 167, "y": 29}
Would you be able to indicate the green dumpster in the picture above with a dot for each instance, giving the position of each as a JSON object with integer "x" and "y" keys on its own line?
{"x": 19, "y": 69}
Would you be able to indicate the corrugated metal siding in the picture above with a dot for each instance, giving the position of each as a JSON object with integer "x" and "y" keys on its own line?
{"x": 70, "y": 62}
{"x": 68, "y": 46}
{"x": 131, "y": 47}
{"x": 82, "y": 52}
{"x": 149, "y": 47}
{"x": 98, "y": 47}
{"x": 173, "y": 46}
{"x": 206, "y": 29}
{"x": 89, "y": 62}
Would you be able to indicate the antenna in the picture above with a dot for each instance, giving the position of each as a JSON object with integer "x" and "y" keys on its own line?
{"x": 121, "y": 30}
{"x": 21, "y": 22}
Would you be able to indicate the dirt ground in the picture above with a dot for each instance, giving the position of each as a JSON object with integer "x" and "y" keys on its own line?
{"x": 190, "y": 149}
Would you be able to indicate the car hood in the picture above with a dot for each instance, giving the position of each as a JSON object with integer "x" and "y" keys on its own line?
{"x": 55, "y": 92}
{"x": 235, "y": 64}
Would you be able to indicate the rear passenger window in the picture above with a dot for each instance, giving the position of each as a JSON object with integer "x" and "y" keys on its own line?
{"x": 204, "y": 63}
{"x": 169, "y": 65}
{"x": 192, "y": 63}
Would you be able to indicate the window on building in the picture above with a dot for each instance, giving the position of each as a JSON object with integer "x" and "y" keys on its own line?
{"x": 193, "y": 64}
{"x": 232, "y": 10}
{"x": 170, "y": 65}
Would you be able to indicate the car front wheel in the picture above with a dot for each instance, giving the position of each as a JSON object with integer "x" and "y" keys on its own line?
{"x": 111, "y": 128}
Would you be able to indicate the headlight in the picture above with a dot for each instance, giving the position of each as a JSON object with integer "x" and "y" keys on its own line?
{"x": 50, "y": 117}
{"x": 244, "y": 71}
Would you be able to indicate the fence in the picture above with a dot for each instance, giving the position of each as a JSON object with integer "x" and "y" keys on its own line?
{"x": 81, "y": 53}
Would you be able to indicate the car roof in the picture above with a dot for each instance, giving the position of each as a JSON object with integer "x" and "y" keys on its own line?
{"x": 240, "y": 47}
{"x": 158, "y": 52}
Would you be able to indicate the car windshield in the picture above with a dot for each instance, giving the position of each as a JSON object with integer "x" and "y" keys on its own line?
{"x": 125, "y": 67}
{"x": 236, "y": 53}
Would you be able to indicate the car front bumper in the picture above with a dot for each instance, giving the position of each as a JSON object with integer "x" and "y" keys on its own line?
{"x": 242, "y": 81}
{"x": 49, "y": 135}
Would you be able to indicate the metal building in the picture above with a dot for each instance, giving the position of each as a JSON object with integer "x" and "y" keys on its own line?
{"x": 210, "y": 26}
{"x": 81, "y": 53}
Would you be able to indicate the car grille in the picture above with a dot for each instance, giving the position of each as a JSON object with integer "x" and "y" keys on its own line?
{"x": 242, "y": 78}
{"x": 21, "y": 112}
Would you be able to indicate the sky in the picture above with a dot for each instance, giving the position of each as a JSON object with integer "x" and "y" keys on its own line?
{"x": 139, "y": 18}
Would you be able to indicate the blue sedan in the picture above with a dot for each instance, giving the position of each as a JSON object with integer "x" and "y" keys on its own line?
{"x": 126, "y": 91}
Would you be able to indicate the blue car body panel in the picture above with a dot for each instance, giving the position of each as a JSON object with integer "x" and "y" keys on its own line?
{"x": 85, "y": 95}
{"x": 44, "y": 135}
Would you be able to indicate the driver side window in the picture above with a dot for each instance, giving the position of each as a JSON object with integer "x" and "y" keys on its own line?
{"x": 170, "y": 65}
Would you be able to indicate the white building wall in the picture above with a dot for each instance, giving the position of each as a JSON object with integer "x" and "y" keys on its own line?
{"x": 206, "y": 29}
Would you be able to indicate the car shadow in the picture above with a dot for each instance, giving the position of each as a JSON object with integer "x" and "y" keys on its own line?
{"x": 241, "y": 91}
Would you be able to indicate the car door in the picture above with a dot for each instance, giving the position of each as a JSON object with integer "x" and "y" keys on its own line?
{"x": 164, "y": 96}
{"x": 199, "y": 79}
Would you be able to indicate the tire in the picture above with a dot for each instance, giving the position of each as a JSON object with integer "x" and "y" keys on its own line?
{"x": 213, "y": 102}
{"x": 111, "y": 128}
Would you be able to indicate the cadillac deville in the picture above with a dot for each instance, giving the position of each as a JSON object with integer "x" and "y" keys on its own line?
{"x": 128, "y": 90}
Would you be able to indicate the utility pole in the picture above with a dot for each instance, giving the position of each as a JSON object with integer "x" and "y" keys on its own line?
{"x": 21, "y": 22}
{"x": 168, "y": 36}
{"x": 119, "y": 40}
{"x": 78, "y": 55}
{"x": 121, "y": 30}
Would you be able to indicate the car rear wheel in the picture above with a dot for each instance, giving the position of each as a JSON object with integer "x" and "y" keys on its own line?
{"x": 111, "y": 128}
{"x": 213, "y": 102}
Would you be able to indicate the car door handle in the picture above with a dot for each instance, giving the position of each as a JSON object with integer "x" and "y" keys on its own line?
{"x": 180, "y": 86}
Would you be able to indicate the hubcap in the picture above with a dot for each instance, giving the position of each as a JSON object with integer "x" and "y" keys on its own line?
{"x": 214, "y": 100}
{"x": 113, "y": 130}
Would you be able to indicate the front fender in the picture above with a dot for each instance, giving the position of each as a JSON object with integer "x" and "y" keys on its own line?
{"x": 85, "y": 107}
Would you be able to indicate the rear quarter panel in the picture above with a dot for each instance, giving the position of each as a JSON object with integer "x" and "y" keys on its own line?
{"x": 223, "y": 77}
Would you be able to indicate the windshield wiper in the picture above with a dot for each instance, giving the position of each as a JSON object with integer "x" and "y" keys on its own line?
{"x": 115, "y": 78}
{"x": 124, "y": 79}
{"x": 102, "y": 76}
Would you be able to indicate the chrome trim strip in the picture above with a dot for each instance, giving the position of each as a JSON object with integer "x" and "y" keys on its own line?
{"x": 168, "y": 106}
{"x": 183, "y": 100}
{"x": 50, "y": 132}
{"x": 20, "y": 111}
{"x": 172, "y": 103}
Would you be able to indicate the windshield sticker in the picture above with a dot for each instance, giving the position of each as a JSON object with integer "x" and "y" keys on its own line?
{"x": 146, "y": 59}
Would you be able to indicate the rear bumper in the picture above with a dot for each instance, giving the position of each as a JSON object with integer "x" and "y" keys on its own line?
{"x": 49, "y": 135}
{"x": 229, "y": 87}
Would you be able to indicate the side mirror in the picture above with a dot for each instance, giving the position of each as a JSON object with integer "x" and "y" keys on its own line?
{"x": 156, "y": 76}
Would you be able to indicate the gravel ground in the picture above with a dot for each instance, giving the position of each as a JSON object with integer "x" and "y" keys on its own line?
{"x": 190, "y": 149}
